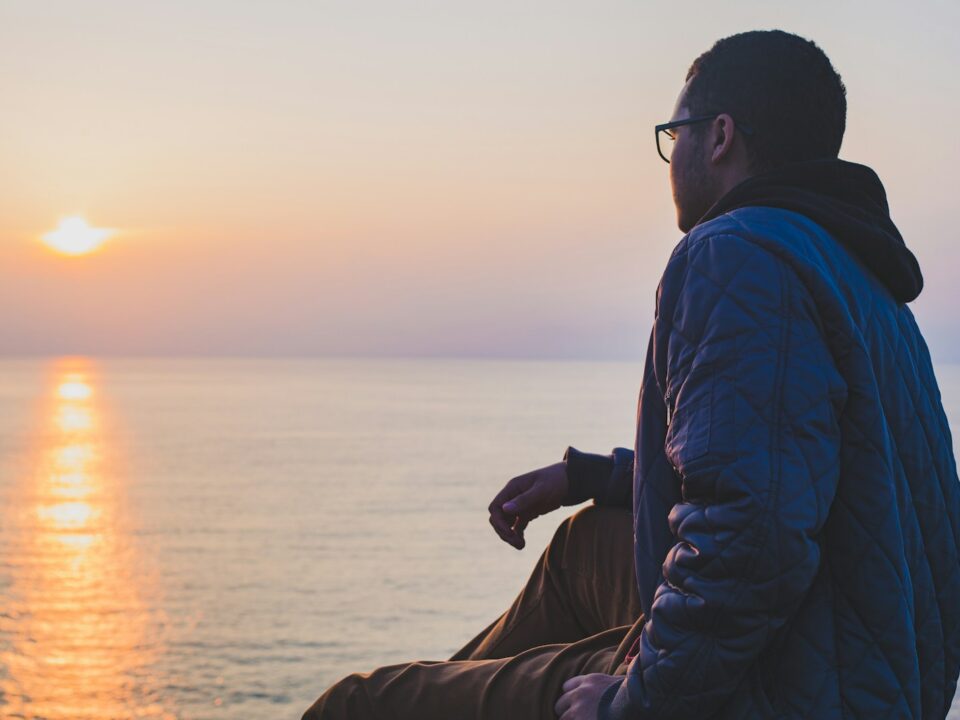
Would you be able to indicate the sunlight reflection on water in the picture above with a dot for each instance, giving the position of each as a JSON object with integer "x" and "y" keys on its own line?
{"x": 77, "y": 637}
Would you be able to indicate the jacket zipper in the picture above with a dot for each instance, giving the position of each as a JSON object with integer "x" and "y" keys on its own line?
{"x": 668, "y": 401}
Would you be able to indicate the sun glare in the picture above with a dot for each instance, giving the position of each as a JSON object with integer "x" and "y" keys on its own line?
{"x": 75, "y": 237}
{"x": 74, "y": 389}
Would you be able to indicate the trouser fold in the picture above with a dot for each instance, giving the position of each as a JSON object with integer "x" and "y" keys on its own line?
{"x": 578, "y": 613}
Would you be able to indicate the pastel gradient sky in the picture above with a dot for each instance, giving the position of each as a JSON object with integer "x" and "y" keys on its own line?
{"x": 396, "y": 177}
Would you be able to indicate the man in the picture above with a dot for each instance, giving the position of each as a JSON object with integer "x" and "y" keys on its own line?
{"x": 794, "y": 495}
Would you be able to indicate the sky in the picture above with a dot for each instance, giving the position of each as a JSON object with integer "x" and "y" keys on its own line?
{"x": 406, "y": 178}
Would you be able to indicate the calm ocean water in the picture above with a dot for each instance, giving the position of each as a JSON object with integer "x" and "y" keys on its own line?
{"x": 210, "y": 538}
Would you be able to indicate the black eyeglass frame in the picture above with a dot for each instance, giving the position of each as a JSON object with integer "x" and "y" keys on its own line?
{"x": 746, "y": 130}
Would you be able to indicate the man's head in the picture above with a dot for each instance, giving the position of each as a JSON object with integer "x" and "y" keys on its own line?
{"x": 780, "y": 87}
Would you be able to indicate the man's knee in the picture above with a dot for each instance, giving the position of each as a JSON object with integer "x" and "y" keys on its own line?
{"x": 345, "y": 699}
{"x": 588, "y": 522}
{"x": 589, "y": 527}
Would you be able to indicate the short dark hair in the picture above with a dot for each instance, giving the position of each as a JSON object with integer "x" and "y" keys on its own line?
{"x": 781, "y": 86}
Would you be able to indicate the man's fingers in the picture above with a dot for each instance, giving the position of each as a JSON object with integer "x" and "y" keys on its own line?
{"x": 566, "y": 700}
{"x": 563, "y": 704}
{"x": 503, "y": 529}
{"x": 513, "y": 488}
{"x": 517, "y": 514}
{"x": 522, "y": 503}
{"x": 503, "y": 521}
{"x": 519, "y": 525}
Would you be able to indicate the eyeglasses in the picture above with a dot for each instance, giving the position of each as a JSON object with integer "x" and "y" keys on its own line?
{"x": 666, "y": 130}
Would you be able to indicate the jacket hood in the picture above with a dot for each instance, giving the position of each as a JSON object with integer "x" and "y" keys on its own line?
{"x": 845, "y": 199}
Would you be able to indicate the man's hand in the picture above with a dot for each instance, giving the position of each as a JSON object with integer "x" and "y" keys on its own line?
{"x": 526, "y": 497}
{"x": 581, "y": 696}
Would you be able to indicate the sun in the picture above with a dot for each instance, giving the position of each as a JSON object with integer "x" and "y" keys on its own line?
{"x": 75, "y": 237}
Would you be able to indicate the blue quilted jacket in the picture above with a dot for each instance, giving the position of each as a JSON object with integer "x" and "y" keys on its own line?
{"x": 794, "y": 487}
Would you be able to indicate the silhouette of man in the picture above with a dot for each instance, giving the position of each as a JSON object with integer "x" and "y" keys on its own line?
{"x": 791, "y": 506}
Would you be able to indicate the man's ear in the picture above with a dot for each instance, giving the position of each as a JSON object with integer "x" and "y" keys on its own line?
{"x": 723, "y": 129}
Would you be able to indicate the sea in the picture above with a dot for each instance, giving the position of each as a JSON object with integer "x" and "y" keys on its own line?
{"x": 210, "y": 538}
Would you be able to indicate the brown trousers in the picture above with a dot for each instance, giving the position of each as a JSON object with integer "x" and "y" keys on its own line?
{"x": 578, "y": 613}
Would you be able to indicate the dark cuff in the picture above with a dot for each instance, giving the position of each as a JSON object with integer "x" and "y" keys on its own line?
{"x": 605, "y": 710}
{"x": 586, "y": 472}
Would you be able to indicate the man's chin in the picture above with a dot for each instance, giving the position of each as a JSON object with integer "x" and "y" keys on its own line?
{"x": 687, "y": 220}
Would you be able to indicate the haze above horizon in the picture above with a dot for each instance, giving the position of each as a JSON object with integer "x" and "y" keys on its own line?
{"x": 415, "y": 179}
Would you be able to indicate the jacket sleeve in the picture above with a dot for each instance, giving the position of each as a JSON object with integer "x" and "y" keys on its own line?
{"x": 752, "y": 397}
{"x": 607, "y": 479}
